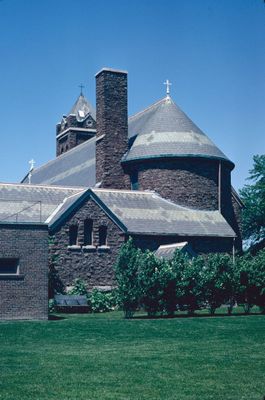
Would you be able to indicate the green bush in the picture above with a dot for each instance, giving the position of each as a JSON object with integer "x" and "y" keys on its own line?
{"x": 150, "y": 269}
{"x": 51, "y": 305}
{"x": 217, "y": 281}
{"x": 102, "y": 301}
{"x": 189, "y": 284}
{"x": 79, "y": 288}
{"x": 126, "y": 269}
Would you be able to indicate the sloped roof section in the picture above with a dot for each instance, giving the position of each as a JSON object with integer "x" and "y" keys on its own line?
{"x": 82, "y": 108}
{"x": 76, "y": 167}
{"x": 164, "y": 130}
{"x": 148, "y": 213}
{"x": 133, "y": 211}
{"x": 32, "y": 203}
{"x": 167, "y": 251}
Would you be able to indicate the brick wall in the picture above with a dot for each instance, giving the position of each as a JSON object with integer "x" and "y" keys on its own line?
{"x": 94, "y": 265}
{"x": 25, "y": 296}
{"x": 189, "y": 182}
{"x": 73, "y": 137}
{"x": 112, "y": 122}
{"x": 201, "y": 245}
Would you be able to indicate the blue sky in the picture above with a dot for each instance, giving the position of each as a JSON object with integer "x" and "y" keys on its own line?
{"x": 212, "y": 51}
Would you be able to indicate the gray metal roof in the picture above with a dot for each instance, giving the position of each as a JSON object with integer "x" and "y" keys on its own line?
{"x": 167, "y": 251}
{"x": 164, "y": 130}
{"x": 76, "y": 167}
{"x": 82, "y": 108}
{"x": 134, "y": 211}
{"x": 148, "y": 213}
{"x": 30, "y": 203}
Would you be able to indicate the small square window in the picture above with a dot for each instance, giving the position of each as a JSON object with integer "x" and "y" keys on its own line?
{"x": 9, "y": 266}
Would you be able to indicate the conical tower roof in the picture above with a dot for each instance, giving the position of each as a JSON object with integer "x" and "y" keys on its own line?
{"x": 164, "y": 130}
{"x": 82, "y": 108}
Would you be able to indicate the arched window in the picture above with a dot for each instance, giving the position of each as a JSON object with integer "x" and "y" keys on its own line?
{"x": 88, "y": 232}
{"x": 73, "y": 235}
{"x": 102, "y": 236}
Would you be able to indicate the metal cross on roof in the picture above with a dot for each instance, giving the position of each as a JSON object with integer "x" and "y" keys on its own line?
{"x": 81, "y": 88}
{"x": 168, "y": 87}
{"x": 32, "y": 163}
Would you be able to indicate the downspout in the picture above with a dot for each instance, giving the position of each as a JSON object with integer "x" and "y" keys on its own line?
{"x": 219, "y": 186}
{"x": 233, "y": 251}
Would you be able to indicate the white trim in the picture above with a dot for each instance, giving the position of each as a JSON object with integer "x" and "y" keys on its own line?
{"x": 118, "y": 71}
{"x": 76, "y": 129}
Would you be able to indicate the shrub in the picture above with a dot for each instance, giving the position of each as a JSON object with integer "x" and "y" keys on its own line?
{"x": 79, "y": 287}
{"x": 126, "y": 269}
{"x": 102, "y": 301}
{"x": 258, "y": 268}
{"x": 216, "y": 280}
{"x": 51, "y": 305}
{"x": 189, "y": 285}
{"x": 246, "y": 290}
{"x": 150, "y": 284}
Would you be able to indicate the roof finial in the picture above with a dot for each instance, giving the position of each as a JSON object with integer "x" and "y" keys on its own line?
{"x": 81, "y": 89}
{"x": 168, "y": 84}
{"x": 31, "y": 162}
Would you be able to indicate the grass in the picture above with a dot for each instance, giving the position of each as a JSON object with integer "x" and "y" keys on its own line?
{"x": 103, "y": 356}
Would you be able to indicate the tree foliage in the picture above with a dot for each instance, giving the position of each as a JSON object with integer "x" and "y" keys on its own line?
{"x": 217, "y": 281}
{"x": 164, "y": 286}
{"x": 126, "y": 272}
{"x": 253, "y": 197}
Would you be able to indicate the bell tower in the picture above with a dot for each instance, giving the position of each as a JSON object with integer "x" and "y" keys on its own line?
{"x": 77, "y": 126}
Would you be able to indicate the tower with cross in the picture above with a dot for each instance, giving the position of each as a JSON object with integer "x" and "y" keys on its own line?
{"x": 168, "y": 84}
{"x": 77, "y": 126}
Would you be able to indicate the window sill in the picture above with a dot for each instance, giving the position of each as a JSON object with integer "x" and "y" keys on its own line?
{"x": 11, "y": 277}
{"x": 74, "y": 248}
{"x": 103, "y": 248}
{"x": 89, "y": 248}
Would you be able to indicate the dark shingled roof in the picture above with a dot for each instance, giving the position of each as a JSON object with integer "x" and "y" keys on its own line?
{"x": 76, "y": 167}
{"x": 82, "y": 108}
{"x": 148, "y": 213}
{"x": 164, "y": 130}
{"x": 30, "y": 203}
{"x": 133, "y": 211}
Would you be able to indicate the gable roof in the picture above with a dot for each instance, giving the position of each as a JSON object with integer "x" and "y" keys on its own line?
{"x": 164, "y": 130}
{"x": 134, "y": 212}
{"x": 82, "y": 108}
{"x": 76, "y": 167}
{"x": 31, "y": 203}
{"x": 148, "y": 213}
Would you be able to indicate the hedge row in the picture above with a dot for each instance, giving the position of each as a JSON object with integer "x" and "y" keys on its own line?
{"x": 164, "y": 286}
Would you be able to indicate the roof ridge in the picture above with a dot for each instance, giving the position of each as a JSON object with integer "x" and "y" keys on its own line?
{"x": 123, "y": 191}
{"x": 28, "y": 185}
{"x": 149, "y": 107}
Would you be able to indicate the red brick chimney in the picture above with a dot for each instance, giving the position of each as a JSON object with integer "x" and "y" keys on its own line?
{"x": 112, "y": 127}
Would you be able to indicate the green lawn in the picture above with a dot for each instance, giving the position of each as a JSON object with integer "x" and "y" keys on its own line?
{"x": 103, "y": 356}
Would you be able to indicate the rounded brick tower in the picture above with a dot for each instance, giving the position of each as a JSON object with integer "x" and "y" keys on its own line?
{"x": 169, "y": 154}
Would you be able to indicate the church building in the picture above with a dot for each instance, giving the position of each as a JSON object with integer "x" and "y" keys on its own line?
{"x": 154, "y": 176}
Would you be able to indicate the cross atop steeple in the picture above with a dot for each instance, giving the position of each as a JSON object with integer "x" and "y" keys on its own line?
{"x": 32, "y": 163}
{"x": 81, "y": 88}
{"x": 168, "y": 84}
